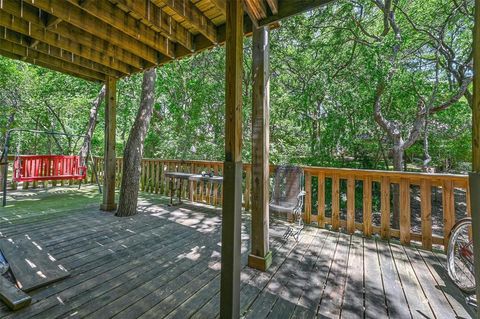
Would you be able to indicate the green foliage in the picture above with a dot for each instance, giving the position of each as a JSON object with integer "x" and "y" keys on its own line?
{"x": 325, "y": 66}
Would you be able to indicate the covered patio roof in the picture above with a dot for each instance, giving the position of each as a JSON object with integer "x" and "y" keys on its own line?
{"x": 94, "y": 40}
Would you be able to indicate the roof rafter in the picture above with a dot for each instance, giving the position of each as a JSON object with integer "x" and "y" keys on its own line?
{"x": 36, "y": 56}
{"x": 273, "y": 4}
{"x": 53, "y": 40}
{"x": 288, "y": 8}
{"x": 193, "y": 16}
{"x": 94, "y": 26}
{"x": 119, "y": 19}
{"x": 158, "y": 20}
{"x": 28, "y": 21}
{"x": 45, "y": 65}
{"x": 58, "y": 53}
{"x": 220, "y": 5}
{"x": 256, "y": 9}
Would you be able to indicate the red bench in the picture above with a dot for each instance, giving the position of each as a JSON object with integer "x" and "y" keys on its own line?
{"x": 30, "y": 168}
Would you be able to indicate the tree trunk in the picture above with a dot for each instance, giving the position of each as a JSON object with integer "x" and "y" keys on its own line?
{"x": 132, "y": 156}
{"x": 9, "y": 125}
{"x": 92, "y": 123}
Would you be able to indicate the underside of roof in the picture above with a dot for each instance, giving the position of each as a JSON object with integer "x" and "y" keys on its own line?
{"x": 94, "y": 39}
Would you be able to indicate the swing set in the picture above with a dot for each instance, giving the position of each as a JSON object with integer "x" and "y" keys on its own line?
{"x": 32, "y": 168}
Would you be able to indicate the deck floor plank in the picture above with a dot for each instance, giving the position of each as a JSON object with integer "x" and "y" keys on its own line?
{"x": 331, "y": 302}
{"x": 210, "y": 309}
{"x": 417, "y": 301}
{"x": 374, "y": 302}
{"x": 165, "y": 262}
{"x": 397, "y": 304}
{"x": 436, "y": 263}
{"x": 102, "y": 290}
{"x": 56, "y": 293}
{"x": 353, "y": 299}
{"x": 280, "y": 283}
{"x": 290, "y": 296}
{"x": 434, "y": 294}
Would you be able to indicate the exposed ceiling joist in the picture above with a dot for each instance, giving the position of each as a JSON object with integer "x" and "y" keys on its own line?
{"x": 45, "y": 65}
{"x": 273, "y": 4}
{"x": 288, "y": 8}
{"x": 36, "y": 57}
{"x": 94, "y": 26}
{"x": 256, "y": 9}
{"x": 192, "y": 15}
{"x": 155, "y": 18}
{"x": 122, "y": 21}
{"x": 220, "y": 5}
{"x": 58, "y": 53}
{"x": 27, "y": 20}
{"x": 20, "y": 26}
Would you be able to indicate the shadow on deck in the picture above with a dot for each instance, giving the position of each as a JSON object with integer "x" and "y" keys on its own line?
{"x": 165, "y": 262}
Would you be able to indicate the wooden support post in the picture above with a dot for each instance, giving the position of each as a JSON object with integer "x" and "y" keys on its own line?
{"x": 260, "y": 256}
{"x": 232, "y": 183}
{"x": 475, "y": 175}
{"x": 109, "y": 151}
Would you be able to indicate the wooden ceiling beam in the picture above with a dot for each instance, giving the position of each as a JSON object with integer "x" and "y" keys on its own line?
{"x": 201, "y": 43}
{"x": 94, "y": 26}
{"x": 192, "y": 15}
{"x": 39, "y": 63}
{"x": 28, "y": 21}
{"x": 119, "y": 19}
{"x": 33, "y": 56}
{"x": 54, "y": 40}
{"x": 256, "y": 9}
{"x": 273, "y": 4}
{"x": 58, "y": 53}
{"x": 288, "y": 8}
{"x": 158, "y": 20}
{"x": 220, "y": 5}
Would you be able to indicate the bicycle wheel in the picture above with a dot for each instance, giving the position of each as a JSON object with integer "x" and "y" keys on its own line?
{"x": 460, "y": 256}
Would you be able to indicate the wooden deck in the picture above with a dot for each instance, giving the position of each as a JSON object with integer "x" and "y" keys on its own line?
{"x": 165, "y": 262}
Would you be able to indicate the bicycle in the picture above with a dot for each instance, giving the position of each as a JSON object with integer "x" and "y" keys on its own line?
{"x": 460, "y": 262}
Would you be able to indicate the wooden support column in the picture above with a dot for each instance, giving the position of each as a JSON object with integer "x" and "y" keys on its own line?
{"x": 475, "y": 175}
{"x": 260, "y": 256}
{"x": 109, "y": 149}
{"x": 232, "y": 174}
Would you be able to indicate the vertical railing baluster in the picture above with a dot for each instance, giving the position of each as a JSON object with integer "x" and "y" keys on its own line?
{"x": 335, "y": 202}
{"x": 426, "y": 213}
{"x": 448, "y": 204}
{"x": 367, "y": 206}
{"x": 321, "y": 200}
{"x": 385, "y": 208}
{"x": 308, "y": 197}
{"x": 405, "y": 214}
{"x": 351, "y": 205}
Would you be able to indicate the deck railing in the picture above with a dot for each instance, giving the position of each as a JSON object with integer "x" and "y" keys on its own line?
{"x": 341, "y": 198}
{"x": 351, "y": 199}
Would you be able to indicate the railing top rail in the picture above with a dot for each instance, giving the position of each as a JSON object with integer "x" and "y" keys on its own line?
{"x": 329, "y": 171}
